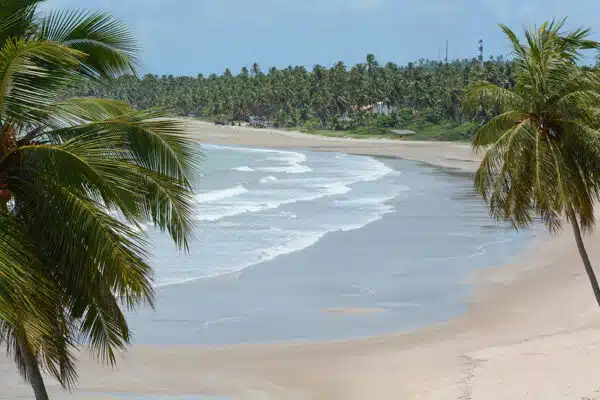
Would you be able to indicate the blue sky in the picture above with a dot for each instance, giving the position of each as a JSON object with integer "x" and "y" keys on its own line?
{"x": 187, "y": 37}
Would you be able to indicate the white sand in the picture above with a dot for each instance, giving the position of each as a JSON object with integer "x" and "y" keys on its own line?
{"x": 450, "y": 155}
{"x": 532, "y": 330}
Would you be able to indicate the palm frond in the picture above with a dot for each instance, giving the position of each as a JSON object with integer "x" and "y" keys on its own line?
{"x": 518, "y": 48}
{"x": 32, "y": 73}
{"x": 82, "y": 176}
{"x": 96, "y": 257}
{"x": 544, "y": 153}
{"x": 27, "y": 297}
{"x": 497, "y": 126}
{"x": 508, "y": 198}
{"x": 110, "y": 48}
{"x": 56, "y": 356}
{"x": 17, "y": 18}
{"x": 488, "y": 94}
{"x": 96, "y": 242}
{"x": 24, "y": 291}
{"x": 580, "y": 148}
{"x": 153, "y": 157}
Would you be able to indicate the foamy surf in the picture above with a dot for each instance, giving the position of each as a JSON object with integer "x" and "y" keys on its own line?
{"x": 238, "y": 222}
{"x": 244, "y": 205}
{"x": 217, "y": 195}
{"x": 243, "y": 169}
{"x": 268, "y": 179}
{"x": 349, "y": 235}
{"x": 290, "y": 169}
{"x": 293, "y": 241}
{"x": 290, "y": 162}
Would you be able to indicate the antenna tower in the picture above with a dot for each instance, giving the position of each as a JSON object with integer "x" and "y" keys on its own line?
{"x": 446, "y": 51}
{"x": 480, "y": 48}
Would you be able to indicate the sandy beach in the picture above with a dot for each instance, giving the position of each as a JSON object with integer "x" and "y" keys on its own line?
{"x": 532, "y": 330}
{"x": 448, "y": 155}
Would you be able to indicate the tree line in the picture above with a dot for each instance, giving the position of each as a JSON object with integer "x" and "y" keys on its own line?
{"x": 338, "y": 97}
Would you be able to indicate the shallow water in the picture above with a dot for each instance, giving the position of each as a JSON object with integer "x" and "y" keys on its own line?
{"x": 252, "y": 205}
{"x": 286, "y": 241}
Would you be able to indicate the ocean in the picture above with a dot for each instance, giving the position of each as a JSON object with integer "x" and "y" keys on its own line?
{"x": 298, "y": 245}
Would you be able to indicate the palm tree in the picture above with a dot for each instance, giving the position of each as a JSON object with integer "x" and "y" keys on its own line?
{"x": 429, "y": 88}
{"x": 256, "y": 70}
{"x": 543, "y": 150}
{"x": 78, "y": 177}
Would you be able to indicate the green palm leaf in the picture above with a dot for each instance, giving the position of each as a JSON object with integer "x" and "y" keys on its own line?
{"x": 110, "y": 48}
{"x": 32, "y": 73}
{"x": 543, "y": 150}
{"x": 78, "y": 178}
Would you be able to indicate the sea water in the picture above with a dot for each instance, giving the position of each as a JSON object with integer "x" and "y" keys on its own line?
{"x": 296, "y": 245}
{"x": 254, "y": 205}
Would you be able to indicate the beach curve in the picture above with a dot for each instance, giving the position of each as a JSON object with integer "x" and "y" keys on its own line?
{"x": 532, "y": 329}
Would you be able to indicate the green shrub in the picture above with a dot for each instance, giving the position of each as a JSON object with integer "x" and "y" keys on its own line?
{"x": 385, "y": 121}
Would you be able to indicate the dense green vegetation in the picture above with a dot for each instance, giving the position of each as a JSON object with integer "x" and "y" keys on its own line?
{"x": 422, "y": 96}
{"x": 77, "y": 177}
{"x": 543, "y": 149}
{"x": 444, "y": 131}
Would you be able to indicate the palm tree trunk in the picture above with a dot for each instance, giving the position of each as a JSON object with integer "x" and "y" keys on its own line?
{"x": 32, "y": 368}
{"x": 584, "y": 256}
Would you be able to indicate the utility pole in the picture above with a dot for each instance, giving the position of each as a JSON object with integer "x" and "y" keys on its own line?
{"x": 481, "y": 52}
{"x": 446, "y": 51}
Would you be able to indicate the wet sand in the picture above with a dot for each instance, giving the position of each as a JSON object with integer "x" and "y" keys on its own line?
{"x": 532, "y": 330}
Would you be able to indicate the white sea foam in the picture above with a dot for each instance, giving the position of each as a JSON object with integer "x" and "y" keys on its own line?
{"x": 301, "y": 241}
{"x": 268, "y": 179}
{"x": 244, "y": 205}
{"x": 288, "y": 169}
{"x": 333, "y": 177}
{"x": 287, "y": 242}
{"x": 336, "y": 189}
{"x": 216, "y": 195}
{"x": 290, "y": 241}
{"x": 231, "y": 211}
{"x": 243, "y": 169}
{"x": 368, "y": 219}
{"x": 293, "y": 163}
{"x": 372, "y": 170}
{"x": 294, "y": 241}
{"x": 377, "y": 200}
{"x": 482, "y": 248}
{"x": 289, "y": 215}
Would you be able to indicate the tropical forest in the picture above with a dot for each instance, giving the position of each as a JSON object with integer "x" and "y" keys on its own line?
{"x": 366, "y": 99}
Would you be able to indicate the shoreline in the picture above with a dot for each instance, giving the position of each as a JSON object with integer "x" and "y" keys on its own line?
{"x": 532, "y": 329}
{"x": 452, "y": 155}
